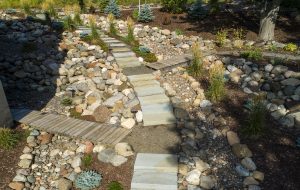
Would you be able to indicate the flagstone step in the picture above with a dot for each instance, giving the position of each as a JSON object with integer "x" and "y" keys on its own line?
{"x": 148, "y": 90}
{"x": 131, "y": 64}
{"x": 158, "y": 114}
{"x": 126, "y": 59}
{"x": 154, "y": 99}
{"x": 123, "y": 54}
{"x": 112, "y": 41}
{"x": 144, "y": 83}
{"x": 155, "y": 172}
{"x": 117, "y": 45}
{"x": 121, "y": 49}
{"x": 142, "y": 77}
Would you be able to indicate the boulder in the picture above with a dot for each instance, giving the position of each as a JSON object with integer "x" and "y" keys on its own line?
{"x": 16, "y": 185}
{"x": 101, "y": 114}
{"x": 232, "y": 138}
{"x": 124, "y": 149}
{"x": 128, "y": 123}
{"x": 118, "y": 160}
{"x": 241, "y": 150}
{"x": 193, "y": 177}
{"x": 207, "y": 182}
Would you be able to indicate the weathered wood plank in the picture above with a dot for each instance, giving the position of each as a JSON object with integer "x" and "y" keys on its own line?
{"x": 91, "y": 127}
{"x": 115, "y": 132}
{"x": 99, "y": 133}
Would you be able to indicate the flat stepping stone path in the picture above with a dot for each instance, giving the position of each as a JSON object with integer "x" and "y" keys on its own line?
{"x": 156, "y": 106}
{"x": 155, "y": 172}
{"x": 76, "y": 128}
{"x": 180, "y": 60}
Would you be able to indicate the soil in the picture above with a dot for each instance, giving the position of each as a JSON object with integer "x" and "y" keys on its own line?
{"x": 275, "y": 153}
{"x": 9, "y": 160}
{"x": 158, "y": 139}
{"x": 287, "y": 30}
{"x": 121, "y": 174}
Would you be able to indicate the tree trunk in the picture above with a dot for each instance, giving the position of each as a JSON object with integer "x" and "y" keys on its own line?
{"x": 268, "y": 19}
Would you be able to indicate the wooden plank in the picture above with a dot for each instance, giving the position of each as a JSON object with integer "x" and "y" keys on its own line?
{"x": 44, "y": 119}
{"x": 21, "y": 114}
{"x": 39, "y": 116}
{"x": 49, "y": 122}
{"x": 60, "y": 122}
{"x": 121, "y": 137}
{"x": 87, "y": 128}
{"x": 28, "y": 117}
{"x": 82, "y": 127}
{"x": 77, "y": 127}
{"x": 67, "y": 129}
{"x": 94, "y": 131}
{"x": 98, "y": 133}
{"x": 114, "y": 133}
{"x": 103, "y": 135}
{"x": 96, "y": 125}
{"x": 61, "y": 127}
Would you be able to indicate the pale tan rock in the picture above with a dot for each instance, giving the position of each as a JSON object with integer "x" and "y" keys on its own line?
{"x": 232, "y": 138}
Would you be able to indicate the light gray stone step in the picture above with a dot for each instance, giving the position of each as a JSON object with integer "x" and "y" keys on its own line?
{"x": 121, "y": 49}
{"x": 157, "y": 108}
{"x": 153, "y": 119}
{"x": 154, "y": 99}
{"x": 117, "y": 45}
{"x": 144, "y": 83}
{"x": 124, "y": 54}
{"x": 127, "y": 65}
{"x": 148, "y": 90}
{"x": 126, "y": 59}
{"x": 156, "y": 162}
{"x": 143, "y": 77}
{"x": 112, "y": 41}
{"x": 147, "y": 180}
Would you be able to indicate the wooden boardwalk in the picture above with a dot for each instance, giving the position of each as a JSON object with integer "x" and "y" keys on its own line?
{"x": 76, "y": 128}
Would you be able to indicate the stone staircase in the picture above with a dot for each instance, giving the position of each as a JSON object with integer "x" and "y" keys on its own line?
{"x": 155, "y": 172}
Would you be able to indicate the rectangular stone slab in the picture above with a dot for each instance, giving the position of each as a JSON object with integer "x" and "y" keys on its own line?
{"x": 124, "y": 54}
{"x": 148, "y": 180}
{"x": 142, "y": 77}
{"x": 121, "y": 49}
{"x": 154, "y": 99}
{"x": 148, "y": 90}
{"x": 132, "y": 64}
{"x": 156, "y": 162}
{"x": 117, "y": 45}
{"x": 145, "y": 83}
{"x": 153, "y": 119}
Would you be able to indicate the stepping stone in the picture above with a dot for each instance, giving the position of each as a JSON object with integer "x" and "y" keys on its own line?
{"x": 155, "y": 172}
{"x": 148, "y": 90}
{"x": 117, "y": 45}
{"x": 154, "y": 99}
{"x": 144, "y": 83}
{"x": 158, "y": 114}
{"x": 120, "y": 49}
{"x": 124, "y": 54}
{"x": 131, "y": 64}
{"x": 134, "y": 78}
{"x": 112, "y": 41}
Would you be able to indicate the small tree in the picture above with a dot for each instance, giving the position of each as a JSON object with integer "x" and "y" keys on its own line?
{"x": 174, "y": 6}
{"x": 196, "y": 11}
{"x": 146, "y": 14}
{"x": 113, "y": 8}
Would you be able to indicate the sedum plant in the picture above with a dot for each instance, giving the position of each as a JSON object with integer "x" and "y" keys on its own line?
{"x": 88, "y": 180}
{"x": 146, "y": 14}
{"x": 196, "y": 67}
{"x": 112, "y": 8}
{"x": 290, "y": 47}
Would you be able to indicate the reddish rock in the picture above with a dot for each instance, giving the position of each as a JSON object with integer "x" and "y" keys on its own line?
{"x": 45, "y": 138}
{"x": 89, "y": 146}
{"x": 16, "y": 185}
{"x": 101, "y": 114}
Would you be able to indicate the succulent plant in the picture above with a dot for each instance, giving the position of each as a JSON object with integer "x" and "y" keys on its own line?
{"x": 144, "y": 49}
{"x": 87, "y": 180}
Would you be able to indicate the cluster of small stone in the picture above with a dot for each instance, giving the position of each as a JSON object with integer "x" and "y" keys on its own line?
{"x": 281, "y": 86}
{"x": 53, "y": 161}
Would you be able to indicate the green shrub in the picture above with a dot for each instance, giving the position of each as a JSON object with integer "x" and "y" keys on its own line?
{"x": 196, "y": 67}
{"x": 290, "y": 47}
{"x": 254, "y": 54}
{"x": 88, "y": 180}
{"x": 8, "y": 138}
{"x": 146, "y": 14}
{"x": 135, "y": 14}
{"x": 214, "y": 6}
{"x": 112, "y": 8}
{"x": 69, "y": 23}
{"x": 66, "y": 101}
{"x": 144, "y": 49}
{"x": 77, "y": 20}
{"x": 196, "y": 11}
{"x": 112, "y": 27}
{"x": 256, "y": 120}
{"x": 114, "y": 185}
{"x": 174, "y": 6}
{"x": 238, "y": 34}
{"x": 216, "y": 89}
{"x": 130, "y": 28}
{"x": 148, "y": 57}
{"x": 103, "y": 4}
{"x": 87, "y": 160}
{"x": 272, "y": 47}
{"x": 221, "y": 37}
{"x": 178, "y": 31}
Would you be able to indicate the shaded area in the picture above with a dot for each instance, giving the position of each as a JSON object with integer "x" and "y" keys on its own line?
{"x": 286, "y": 28}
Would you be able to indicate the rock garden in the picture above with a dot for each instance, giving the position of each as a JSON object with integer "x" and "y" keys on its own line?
{"x": 221, "y": 112}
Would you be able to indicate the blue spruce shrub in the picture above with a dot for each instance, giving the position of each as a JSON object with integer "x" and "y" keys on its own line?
{"x": 144, "y": 49}
{"x": 196, "y": 11}
{"x": 87, "y": 180}
{"x": 146, "y": 14}
{"x": 113, "y": 8}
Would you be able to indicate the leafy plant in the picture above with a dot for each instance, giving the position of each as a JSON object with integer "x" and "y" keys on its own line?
{"x": 66, "y": 101}
{"x": 114, "y": 185}
{"x": 112, "y": 8}
{"x": 216, "y": 89}
{"x": 221, "y": 37}
{"x": 178, "y": 31}
{"x": 290, "y": 47}
{"x": 196, "y": 11}
{"x": 146, "y": 14}
{"x": 256, "y": 118}
{"x": 69, "y": 23}
{"x": 238, "y": 34}
{"x": 87, "y": 180}
{"x": 87, "y": 160}
{"x": 174, "y": 6}
{"x": 196, "y": 67}
{"x": 253, "y": 54}
{"x": 144, "y": 49}
{"x": 135, "y": 14}
{"x": 8, "y": 138}
{"x": 272, "y": 47}
{"x": 130, "y": 28}
{"x": 112, "y": 28}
